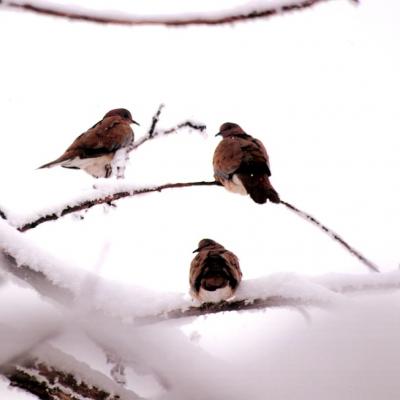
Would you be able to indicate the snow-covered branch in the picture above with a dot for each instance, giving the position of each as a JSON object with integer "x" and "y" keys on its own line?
{"x": 249, "y": 11}
{"x": 153, "y": 132}
{"x": 49, "y": 373}
{"x": 333, "y": 235}
{"x": 144, "y": 306}
{"x": 98, "y": 198}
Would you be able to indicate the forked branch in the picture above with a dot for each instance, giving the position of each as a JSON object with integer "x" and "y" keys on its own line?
{"x": 153, "y": 132}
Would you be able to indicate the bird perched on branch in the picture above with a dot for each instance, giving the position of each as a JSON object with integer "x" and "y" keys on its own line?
{"x": 241, "y": 164}
{"x": 94, "y": 150}
{"x": 214, "y": 273}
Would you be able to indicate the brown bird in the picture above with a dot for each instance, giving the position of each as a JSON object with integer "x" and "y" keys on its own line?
{"x": 94, "y": 150}
{"x": 241, "y": 164}
{"x": 214, "y": 273}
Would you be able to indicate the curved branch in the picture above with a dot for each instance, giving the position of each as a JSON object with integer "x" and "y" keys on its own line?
{"x": 370, "y": 265}
{"x": 109, "y": 199}
{"x": 130, "y": 193}
{"x": 229, "y": 17}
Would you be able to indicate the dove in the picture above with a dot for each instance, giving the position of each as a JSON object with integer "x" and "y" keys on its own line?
{"x": 214, "y": 273}
{"x": 94, "y": 150}
{"x": 241, "y": 164}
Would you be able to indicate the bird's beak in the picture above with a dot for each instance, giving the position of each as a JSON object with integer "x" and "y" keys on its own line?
{"x": 196, "y": 251}
{"x": 134, "y": 122}
{"x": 219, "y": 133}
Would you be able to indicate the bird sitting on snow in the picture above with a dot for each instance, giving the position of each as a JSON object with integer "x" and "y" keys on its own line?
{"x": 94, "y": 150}
{"x": 214, "y": 273}
{"x": 241, "y": 164}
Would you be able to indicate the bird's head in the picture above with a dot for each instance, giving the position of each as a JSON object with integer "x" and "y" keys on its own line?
{"x": 207, "y": 244}
{"x": 230, "y": 129}
{"x": 123, "y": 113}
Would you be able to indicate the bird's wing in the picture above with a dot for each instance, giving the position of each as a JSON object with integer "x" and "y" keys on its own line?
{"x": 107, "y": 136}
{"x": 227, "y": 157}
{"x": 263, "y": 151}
{"x": 234, "y": 265}
{"x": 255, "y": 158}
{"x": 195, "y": 269}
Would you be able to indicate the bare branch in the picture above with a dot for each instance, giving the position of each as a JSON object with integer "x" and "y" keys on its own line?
{"x": 108, "y": 199}
{"x": 371, "y": 266}
{"x": 230, "y": 17}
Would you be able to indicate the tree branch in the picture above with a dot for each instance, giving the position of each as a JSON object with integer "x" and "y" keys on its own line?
{"x": 108, "y": 199}
{"x": 354, "y": 284}
{"x": 229, "y": 17}
{"x": 156, "y": 118}
{"x": 235, "y": 305}
{"x": 368, "y": 263}
{"x": 134, "y": 192}
{"x": 48, "y": 382}
{"x": 152, "y": 133}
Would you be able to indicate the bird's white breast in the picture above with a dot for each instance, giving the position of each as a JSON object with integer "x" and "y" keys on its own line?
{"x": 234, "y": 185}
{"x": 215, "y": 296}
{"x": 93, "y": 166}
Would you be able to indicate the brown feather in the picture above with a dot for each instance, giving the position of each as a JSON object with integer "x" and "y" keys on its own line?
{"x": 241, "y": 164}
{"x": 213, "y": 268}
{"x": 259, "y": 188}
{"x": 102, "y": 140}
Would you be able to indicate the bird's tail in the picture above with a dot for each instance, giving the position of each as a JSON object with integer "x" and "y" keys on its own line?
{"x": 214, "y": 274}
{"x": 50, "y": 164}
{"x": 259, "y": 188}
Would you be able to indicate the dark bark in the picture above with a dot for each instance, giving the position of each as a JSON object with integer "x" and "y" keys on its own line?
{"x": 49, "y": 383}
{"x": 229, "y": 18}
{"x": 333, "y": 235}
{"x": 108, "y": 200}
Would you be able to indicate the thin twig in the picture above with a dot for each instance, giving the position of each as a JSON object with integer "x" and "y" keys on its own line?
{"x": 372, "y": 266}
{"x": 155, "y": 120}
{"x": 108, "y": 199}
{"x": 155, "y": 133}
{"x": 231, "y": 16}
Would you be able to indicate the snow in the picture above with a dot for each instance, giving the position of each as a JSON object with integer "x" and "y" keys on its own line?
{"x": 321, "y": 89}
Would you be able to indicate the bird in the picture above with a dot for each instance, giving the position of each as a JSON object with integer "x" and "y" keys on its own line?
{"x": 93, "y": 151}
{"x": 214, "y": 273}
{"x": 241, "y": 164}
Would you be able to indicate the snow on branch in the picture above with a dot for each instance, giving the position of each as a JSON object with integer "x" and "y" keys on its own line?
{"x": 64, "y": 284}
{"x": 152, "y": 132}
{"x": 249, "y": 11}
{"x": 333, "y": 235}
{"x": 49, "y": 373}
{"x": 98, "y": 197}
